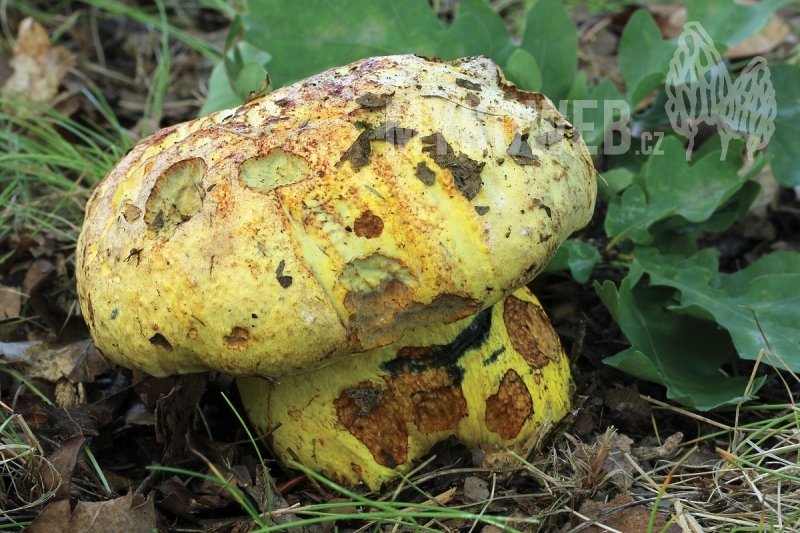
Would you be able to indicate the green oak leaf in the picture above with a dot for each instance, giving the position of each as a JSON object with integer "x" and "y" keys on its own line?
{"x": 669, "y": 186}
{"x": 577, "y": 256}
{"x": 643, "y": 56}
{"x": 522, "y": 69}
{"x": 681, "y": 352}
{"x": 321, "y": 34}
{"x": 785, "y": 142}
{"x": 770, "y": 287}
{"x": 551, "y": 37}
{"x": 467, "y": 36}
{"x": 731, "y": 22}
{"x": 242, "y": 70}
{"x": 326, "y": 34}
{"x": 501, "y": 43}
{"x": 613, "y": 181}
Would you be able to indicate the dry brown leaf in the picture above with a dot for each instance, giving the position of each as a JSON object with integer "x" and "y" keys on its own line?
{"x": 64, "y": 461}
{"x": 174, "y": 413}
{"x": 476, "y": 489}
{"x": 491, "y": 456}
{"x": 138, "y": 414}
{"x": 38, "y": 273}
{"x": 671, "y": 17}
{"x": 38, "y": 67}
{"x": 68, "y": 422}
{"x": 628, "y": 520}
{"x": 122, "y": 514}
{"x": 78, "y": 362}
{"x": 14, "y": 351}
{"x": 66, "y": 326}
{"x": 623, "y": 470}
{"x": 10, "y": 302}
{"x": 763, "y": 42}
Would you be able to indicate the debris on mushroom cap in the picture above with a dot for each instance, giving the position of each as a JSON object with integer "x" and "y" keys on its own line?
{"x": 327, "y": 217}
{"x": 498, "y": 377}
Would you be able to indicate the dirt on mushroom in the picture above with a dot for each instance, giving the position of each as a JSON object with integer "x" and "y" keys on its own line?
{"x": 340, "y": 233}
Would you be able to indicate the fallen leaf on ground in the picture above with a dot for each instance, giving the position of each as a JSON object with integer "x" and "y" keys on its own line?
{"x": 665, "y": 451}
{"x": 38, "y": 273}
{"x": 174, "y": 413}
{"x": 476, "y": 489}
{"x": 632, "y": 519}
{"x": 66, "y": 327}
{"x": 64, "y": 461}
{"x": 38, "y": 67}
{"x": 122, "y": 514}
{"x": 491, "y": 456}
{"x": 763, "y": 42}
{"x": 629, "y": 406}
{"x": 623, "y": 470}
{"x": 68, "y": 422}
{"x": 77, "y": 362}
{"x": 14, "y": 351}
{"x": 10, "y": 302}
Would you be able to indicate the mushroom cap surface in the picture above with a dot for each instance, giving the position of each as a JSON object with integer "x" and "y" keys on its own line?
{"x": 499, "y": 377}
{"x": 327, "y": 217}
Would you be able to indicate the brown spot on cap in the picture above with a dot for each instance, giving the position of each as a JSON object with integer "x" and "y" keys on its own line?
{"x": 425, "y": 174}
{"x": 466, "y": 172}
{"x": 472, "y": 99}
{"x": 471, "y": 85}
{"x": 238, "y": 339}
{"x": 368, "y": 225}
{"x": 382, "y": 430}
{"x": 520, "y": 151}
{"x": 509, "y": 408}
{"x": 374, "y": 101}
{"x": 160, "y": 340}
{"x": 530, "y": 332}
{"x": 550, "y": 138}
{"x": 285, "y": 281}
{"x": 358, "y": 153}
{"x": 131, "y": 213}
{"x": 393, "y": 133}
{"x": 439, "y": 409}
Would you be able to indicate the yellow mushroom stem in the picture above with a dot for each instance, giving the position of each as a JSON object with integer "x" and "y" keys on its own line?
{"x": 492, "y": 378}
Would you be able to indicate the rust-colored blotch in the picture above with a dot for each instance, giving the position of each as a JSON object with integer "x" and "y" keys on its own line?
{"x": 429, "y": 399}
{"x": 238, "y": 339}
{"x": 368, "y": 225}
{"x": 530, "y": 332}
{"x": 509, "y": 408}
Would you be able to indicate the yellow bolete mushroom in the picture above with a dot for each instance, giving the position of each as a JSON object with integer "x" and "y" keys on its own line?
{"x": 497, "y": 377}
{"x": 330, "y": 217}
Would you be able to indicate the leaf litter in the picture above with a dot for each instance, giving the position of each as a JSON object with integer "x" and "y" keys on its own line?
{"x": 129, "y": 422}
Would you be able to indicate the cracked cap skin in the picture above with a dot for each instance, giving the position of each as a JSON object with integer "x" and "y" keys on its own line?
{"x": 327, "y": 217}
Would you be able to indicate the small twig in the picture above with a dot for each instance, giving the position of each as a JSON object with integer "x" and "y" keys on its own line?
{"x": 685, "y": 412}
{"x": 147, "y": 481}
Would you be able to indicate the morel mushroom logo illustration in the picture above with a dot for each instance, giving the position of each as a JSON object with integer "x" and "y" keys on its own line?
{"x": 699, "y": 89}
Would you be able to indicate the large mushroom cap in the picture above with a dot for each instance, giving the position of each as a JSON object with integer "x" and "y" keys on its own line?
{"x": 327, "y": 217}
